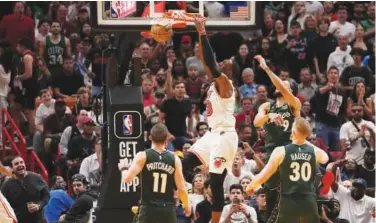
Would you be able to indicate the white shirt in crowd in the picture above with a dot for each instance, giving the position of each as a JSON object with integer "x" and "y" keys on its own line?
{"x": 193, "y": 200}
{"x": 249, "y": 166}
{"x": 4, "y": 82}
{"x": 43, "y": 112}
{"x": 354, "y": 211}
{"x": 348, "y": 29}
{"x": 314, "y": 7}
{"x": 340, "y": 59}
{"x": 89, "y": 164}
{"x": 238, "y": 217}
{"x": 348, "y": 131}
{"x": 231, "y": 179}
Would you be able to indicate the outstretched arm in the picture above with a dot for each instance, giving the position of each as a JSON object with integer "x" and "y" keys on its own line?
{"x": 271, "y": 167}
{"x": 223, "y": 83}
{"x": 134, "y": 169}
{"x": 180, "y": 184}
{"x": 279, "y": 85}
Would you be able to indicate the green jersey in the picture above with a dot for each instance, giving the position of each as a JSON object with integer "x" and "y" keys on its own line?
{"x": 54, "y": 53}
{"x": 278, "y": 135}
{"x": 157, "y": 178}
{"x": 298, "y": 170}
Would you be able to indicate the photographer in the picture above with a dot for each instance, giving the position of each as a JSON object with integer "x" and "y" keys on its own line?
{"x": 329, "y": 211}
{"x": 238, "y": 211}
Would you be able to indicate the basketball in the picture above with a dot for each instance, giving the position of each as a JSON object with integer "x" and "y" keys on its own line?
{"x": 161, "y": 33}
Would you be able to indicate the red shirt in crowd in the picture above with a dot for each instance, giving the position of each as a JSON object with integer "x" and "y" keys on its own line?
{"x": 148, "y": 100}
{"x": 13, "y": 28}
{"x": 244, "y": 118}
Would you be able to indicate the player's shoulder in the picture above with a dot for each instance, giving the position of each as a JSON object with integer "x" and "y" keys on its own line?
{"x": 266, "y": 105}
{"x": 280, "y": 150}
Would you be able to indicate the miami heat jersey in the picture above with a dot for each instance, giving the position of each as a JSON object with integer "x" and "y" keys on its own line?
{"x": 220, "y": 111}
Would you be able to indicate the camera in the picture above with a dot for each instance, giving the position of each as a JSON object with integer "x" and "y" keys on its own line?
{"x": 331, "y": 207}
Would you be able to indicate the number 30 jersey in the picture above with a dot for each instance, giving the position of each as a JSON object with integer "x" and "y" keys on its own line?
{"x": 278, "y": 135}
{"x": 298, "y": 170}
{"x": 157, "y": 178}
{"x": 220, "y": 111}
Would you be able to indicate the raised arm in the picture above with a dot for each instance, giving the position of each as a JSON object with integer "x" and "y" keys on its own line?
{"x": 271, "y": 167}
{"x": 134, "y": 169}
{"x": 279, "y": 85}
{"x": 224, "y": 86}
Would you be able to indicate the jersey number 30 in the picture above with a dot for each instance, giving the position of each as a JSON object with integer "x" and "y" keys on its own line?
{"x": 162, "y": 188}
{"x": 303, "y": 171}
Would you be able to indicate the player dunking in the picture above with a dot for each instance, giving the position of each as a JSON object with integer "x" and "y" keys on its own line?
{"x": 296, "y": 164}
{"x": 217, "y": 148}
{"x": 161, "y": 171}
{"x": 277, "y": 119}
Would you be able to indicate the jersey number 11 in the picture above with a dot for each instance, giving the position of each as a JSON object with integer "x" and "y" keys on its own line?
{"x": 162, "y": 188}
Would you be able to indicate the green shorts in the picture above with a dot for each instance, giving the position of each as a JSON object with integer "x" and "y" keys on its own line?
{"x": 156, "y": 214}
{"x": 294, "y": 209}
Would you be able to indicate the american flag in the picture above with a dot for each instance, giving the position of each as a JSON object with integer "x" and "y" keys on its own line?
{"x": 239, "y": 12}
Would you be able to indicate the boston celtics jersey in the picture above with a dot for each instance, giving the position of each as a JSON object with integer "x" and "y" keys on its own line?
{"x": 54, "y": 53}
{"x": 157, "y": 178}
{"x": 298, "y": 170}
{"x": 278, "y": 135}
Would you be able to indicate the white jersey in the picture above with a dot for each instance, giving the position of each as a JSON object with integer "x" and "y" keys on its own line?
{"x": 220, "y": 111}
{"x": 7, "y": 214}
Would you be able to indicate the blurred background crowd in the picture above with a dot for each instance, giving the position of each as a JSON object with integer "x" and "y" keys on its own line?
{"x": 53, "y": 63}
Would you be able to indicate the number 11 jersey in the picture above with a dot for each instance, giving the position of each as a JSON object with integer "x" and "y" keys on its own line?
{"x": 157, "y": 178}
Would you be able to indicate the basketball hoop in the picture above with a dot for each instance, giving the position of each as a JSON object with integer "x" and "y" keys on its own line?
{"x": 177, "y": 19}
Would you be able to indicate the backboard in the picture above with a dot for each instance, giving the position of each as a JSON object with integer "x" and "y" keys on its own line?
{"x": 138, "y": 15}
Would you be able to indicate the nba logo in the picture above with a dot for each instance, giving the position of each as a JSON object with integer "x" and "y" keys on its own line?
{"x": 116, "y": 9}
{"x": 127, "y": 124}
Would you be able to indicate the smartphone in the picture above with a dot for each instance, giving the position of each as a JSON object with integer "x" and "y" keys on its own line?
{"x": 236, "y": 201}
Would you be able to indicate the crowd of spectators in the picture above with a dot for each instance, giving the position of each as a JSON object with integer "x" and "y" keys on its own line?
{"x": 52, "y": 63}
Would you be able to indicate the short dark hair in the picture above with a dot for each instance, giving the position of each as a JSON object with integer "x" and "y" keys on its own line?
{"x": 40, "y": 22}
{"x": 246, "y": 98}
{"x": 67, "y": 58}
{"x": 43, "y": 91}
{"x": 55, "y": 21}
{"x": 342, "y": 7}
{"x": 333, "y": 68}
{"x": 323, "y": 20}
{"x": 26, "y": 43}
{"x": 159, "y": 133}
{"x": 13, "y": 158}
{"x": 236, "y": 187}
{"x": 200, "y": 124}
{"x": 176, "y": 83}
{"x": 261, "y": 85}
{"x": 243, "y": 126}
{"x": 260, "y": 191}
{"x": 294, "y": 23}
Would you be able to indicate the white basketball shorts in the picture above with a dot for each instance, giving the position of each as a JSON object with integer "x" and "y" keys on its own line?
{"x": 216, "y": 150}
